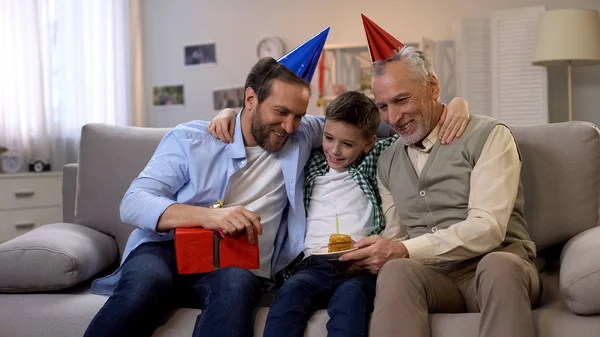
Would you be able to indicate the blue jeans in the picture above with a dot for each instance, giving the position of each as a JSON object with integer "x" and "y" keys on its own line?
{"x": 150, "y": 287}
{"x": 316, "y": 284}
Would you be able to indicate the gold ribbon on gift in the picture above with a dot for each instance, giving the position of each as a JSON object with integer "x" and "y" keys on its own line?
{"x": 219, "y": 204}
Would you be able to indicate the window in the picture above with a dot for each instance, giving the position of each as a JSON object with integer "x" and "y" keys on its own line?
{"x": 64, "y": 64}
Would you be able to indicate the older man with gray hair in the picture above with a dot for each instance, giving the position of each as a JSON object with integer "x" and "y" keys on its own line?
{"x": 458, "y": 238}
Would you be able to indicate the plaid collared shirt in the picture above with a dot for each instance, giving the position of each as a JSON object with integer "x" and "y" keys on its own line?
{"x": 363, "y": 171}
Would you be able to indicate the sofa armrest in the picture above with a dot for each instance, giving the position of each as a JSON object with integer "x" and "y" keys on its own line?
{"x": 69, "y": 191}
{"x": 580, "y": 273}
{"x": 54, "y": 257}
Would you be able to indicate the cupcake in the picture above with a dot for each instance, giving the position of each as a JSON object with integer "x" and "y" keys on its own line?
{"x": 339, "y": 242}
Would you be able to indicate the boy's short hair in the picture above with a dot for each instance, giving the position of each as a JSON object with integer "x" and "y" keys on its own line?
{"x": 357, "y": 109}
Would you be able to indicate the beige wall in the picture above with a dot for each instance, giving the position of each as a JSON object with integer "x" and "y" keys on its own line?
{"x": 237, "y": 25}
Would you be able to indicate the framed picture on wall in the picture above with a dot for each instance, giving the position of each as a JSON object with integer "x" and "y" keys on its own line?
{"x": 228, "y": 98}
{"x": 168, "y": 96}
{"x": 200, "y": 54}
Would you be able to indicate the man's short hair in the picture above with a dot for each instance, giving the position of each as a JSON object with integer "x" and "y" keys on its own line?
{"x": 418, "y": 62}
{"x": 356, "y": 109}
{"x": 263, "y": 73}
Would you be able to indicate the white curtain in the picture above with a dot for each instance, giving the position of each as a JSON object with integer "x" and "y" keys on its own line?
{"x": 63, "y": 63}
{"x": 24, "y": 63}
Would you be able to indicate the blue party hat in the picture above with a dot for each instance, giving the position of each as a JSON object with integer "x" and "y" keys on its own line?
{"x": 304, "y": 59}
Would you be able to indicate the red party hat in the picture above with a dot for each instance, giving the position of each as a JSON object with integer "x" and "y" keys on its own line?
{"x": 381, "y": 44}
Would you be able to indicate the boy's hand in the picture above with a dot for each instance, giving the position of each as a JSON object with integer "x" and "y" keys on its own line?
{"x": 454, "y": 120}
{"x": 223, "y": 125}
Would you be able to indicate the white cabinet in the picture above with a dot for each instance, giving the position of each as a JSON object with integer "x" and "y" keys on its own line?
{"x": 29, "y": 200}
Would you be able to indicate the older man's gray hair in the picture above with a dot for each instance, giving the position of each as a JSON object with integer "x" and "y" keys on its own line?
{"x": 418, "y": 62}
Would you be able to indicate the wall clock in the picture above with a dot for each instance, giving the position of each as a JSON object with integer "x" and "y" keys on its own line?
{"x": 270, "y": 46}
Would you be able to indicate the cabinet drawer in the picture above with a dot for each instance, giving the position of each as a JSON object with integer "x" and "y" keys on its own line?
{"x": 16, "y": 222}
{"x": 31, "y": 191}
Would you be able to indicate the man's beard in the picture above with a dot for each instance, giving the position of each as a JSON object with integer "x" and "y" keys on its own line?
{"x": 260, "y": 132}
{"x": 417, "y": 136}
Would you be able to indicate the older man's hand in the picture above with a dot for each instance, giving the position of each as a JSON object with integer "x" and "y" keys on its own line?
{"x": 373, "y": 252}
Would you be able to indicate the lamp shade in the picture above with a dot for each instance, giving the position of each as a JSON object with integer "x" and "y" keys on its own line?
{"x": 568, "y": 35}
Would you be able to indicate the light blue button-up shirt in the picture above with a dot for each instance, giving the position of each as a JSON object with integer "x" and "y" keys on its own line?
{"x": 192, "y": 167}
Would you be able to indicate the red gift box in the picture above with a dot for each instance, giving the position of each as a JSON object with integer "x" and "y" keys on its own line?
{"x": 200, "y": 250}
{"x": 194, "y": 250}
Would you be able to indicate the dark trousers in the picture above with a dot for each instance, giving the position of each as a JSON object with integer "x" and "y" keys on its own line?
{"x": 150, "y": 287}
{"x": 316, "y": 284}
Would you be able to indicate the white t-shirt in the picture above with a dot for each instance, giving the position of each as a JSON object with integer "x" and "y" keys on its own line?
{"x": 260, "y": 188}
{"x": 337, "y": 193}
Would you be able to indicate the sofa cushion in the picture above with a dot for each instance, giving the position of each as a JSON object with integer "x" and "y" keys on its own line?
{"x": 561, "y": 180}
{"x": 68, "y": 313}
{"x": 110, "y": 157}
{"x": 580, "y": 273}
{"x": 53, "y": 257}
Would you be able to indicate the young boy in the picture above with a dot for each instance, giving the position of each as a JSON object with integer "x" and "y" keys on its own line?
{"x": 341, "y": 184}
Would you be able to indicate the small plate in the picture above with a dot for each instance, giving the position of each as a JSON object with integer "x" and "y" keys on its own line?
{"x": 334, "y": 256}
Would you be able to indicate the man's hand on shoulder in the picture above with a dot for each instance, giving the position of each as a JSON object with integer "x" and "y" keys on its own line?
{"x": 222, "y": 126}
{"x": 374, "y": 251}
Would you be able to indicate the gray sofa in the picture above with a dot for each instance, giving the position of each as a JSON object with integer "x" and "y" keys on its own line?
{"x": 45, "y": 274}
